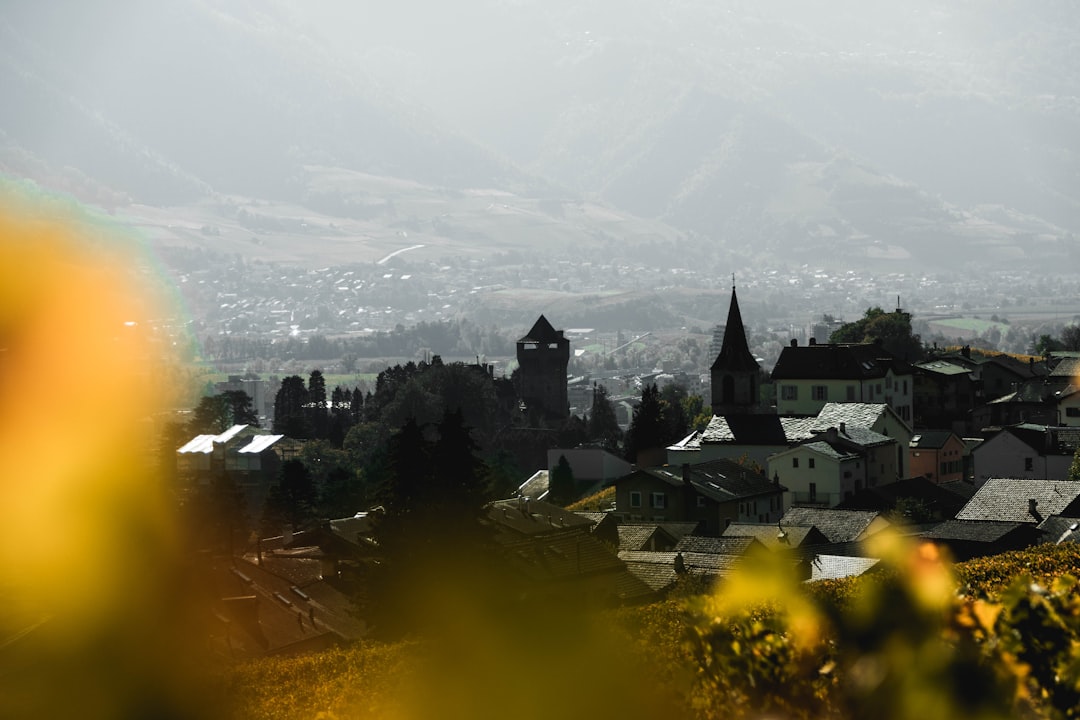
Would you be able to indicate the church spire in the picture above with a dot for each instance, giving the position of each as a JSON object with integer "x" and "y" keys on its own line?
{"x": 735, "y": 352}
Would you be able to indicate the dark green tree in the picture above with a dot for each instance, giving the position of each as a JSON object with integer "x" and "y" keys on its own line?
{"x": 289, "y": 416}
{"x": 891, "y": 329}
{"x": 315, "y": 405}
{"x": 561, "y": 486}
{"x": 603, "y": 425}
{"x": 646, "y": 431}
{"x": 433, "y": 495}
{"x": 217, "y": 413}
{"x": 676, "y": 423}
{"x": 1074, "y": 469}
{"x": 293, "y": 500}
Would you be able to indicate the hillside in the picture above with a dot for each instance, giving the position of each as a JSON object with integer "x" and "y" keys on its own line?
{"x": 852, "y": 133}
{"x": 494, "y": 677}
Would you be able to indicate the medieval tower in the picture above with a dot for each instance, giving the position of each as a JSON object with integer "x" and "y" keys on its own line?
{"x": 543, "y": 355}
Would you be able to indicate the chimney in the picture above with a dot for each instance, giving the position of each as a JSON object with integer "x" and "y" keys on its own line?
{"x": 813, "y": 341}
{"x": 686, "y": 474}
{"x": 830, "y": 435}
{"x": 1033, "y": 508}
{"x": 794, "y": 342}
{"x": 843, "y": 428}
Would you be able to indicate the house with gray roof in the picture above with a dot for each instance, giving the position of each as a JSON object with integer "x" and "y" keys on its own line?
{"x": 838, "y": 526}
{"x": 835, "y": 567}
{"x": 807, "y": 377}
{"x": 832, "y": 466}
{"x": 660, "y": 571}
{"x": 1022, "y": 500}
{"x": 756, "y": 437}
{"x": 777, "y": 537}
{"x": 1026, "y": 450}
{"x": 938, "y": 455}
{"x": 945, "y": 394}
{"x": 712, "y": 494}
{"x": 966, "y": 539}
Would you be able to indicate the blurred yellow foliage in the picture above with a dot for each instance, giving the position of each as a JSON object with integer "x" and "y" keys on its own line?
{"x": 92, "y": 619}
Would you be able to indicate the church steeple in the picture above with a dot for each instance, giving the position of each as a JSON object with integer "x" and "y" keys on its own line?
{"x": 734, "y": 373}
{"x": 735, "y": 351}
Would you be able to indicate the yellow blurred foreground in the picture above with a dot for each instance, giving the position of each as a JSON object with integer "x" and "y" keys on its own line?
{"x": 92, "y": 612}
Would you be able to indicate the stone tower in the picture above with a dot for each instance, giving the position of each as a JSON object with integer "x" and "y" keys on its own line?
{"x": 543, "y": 355}
{"x": 735, "y": 373}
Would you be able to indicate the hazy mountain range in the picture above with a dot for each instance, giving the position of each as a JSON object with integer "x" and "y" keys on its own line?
{"x": 840, "y": 131}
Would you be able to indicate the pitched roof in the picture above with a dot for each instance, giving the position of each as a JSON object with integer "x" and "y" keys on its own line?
{"x": 834, "y": 567}
{"x": 657, "y": 569}
{"x": 833, "y": 361}
{"x": 1008, "y": 500}
{"x": 971, "y": 530}
{"x": 768, "y": 534}
{"x": 205, "y": 443}
{"x": 1059, "y": 529}
{"x": 717, "y": 545}
{"x": 931, "y": 439}
{"x": 1068, "y": 367}
{"x": 942, "y": 367}
{"x": 560, "y": 555}
{"x": 854, "y": 414}
{"x": 836, "y": 525}
{"x": 721, "y": 480}
{"x": 536, "y": 486}
{"x": 946, "y": 498}
{"x": 533, "y": 517}
{"x": 259, "y": 443}
{"x": 637, "y": 536}
{"x": 542, "y": 332}
{"x": 747, "y": 430}
{"x": 735, "y": 350}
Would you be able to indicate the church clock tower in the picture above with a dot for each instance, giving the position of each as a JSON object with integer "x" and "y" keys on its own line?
{"x": 735, "y": 374}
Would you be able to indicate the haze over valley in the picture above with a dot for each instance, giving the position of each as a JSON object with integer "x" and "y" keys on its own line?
{"x": 838, "y": 154}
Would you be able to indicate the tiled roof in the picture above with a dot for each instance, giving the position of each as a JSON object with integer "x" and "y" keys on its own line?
{"x": 766, "y": 429}
{"x": 768, "y": 534}
{"x": 854, "y": 414}
{"x": 722, "y": 480}
{"x": 930, "y": 439}
{"x": 971, "y": 530}
{"x": 635, "y": 537}
{"x": 836, "y": 525}
{"x": 945, "y": 498}
{"x": 717, "y": 545}
{"x": 826, "y": 450}
{"x": 657, "y": 569}
{"x": 533, "y": 517}
{"x": 1058, "y": 528}
{"x": 593, "y": 517}
{"x": 1067, "y": 367}
{"x": 834, "y": 567}
{"x": 559, "y": 556}
{"x": 678, "y": 529}
{"x": 941, "y": 367}
{"x": 543, "y": 332}
{"x": 745, "y": 429}
{"x": 836, "y": 361}
{"x": 1008, "y": 500}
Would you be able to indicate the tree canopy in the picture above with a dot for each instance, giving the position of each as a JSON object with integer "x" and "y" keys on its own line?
{"x": 892, "y": 329}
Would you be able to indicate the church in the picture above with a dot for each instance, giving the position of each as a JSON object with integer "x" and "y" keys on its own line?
{"x": 735, "y": 376}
